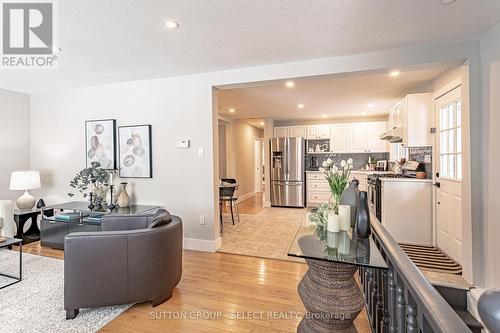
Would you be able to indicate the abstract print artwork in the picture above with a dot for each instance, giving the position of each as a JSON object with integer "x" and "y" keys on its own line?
{"x": 100, "y": 138}
{"x": 135, "y": 151}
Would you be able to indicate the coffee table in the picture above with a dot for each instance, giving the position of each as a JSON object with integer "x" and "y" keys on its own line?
{"x": 7, "y": 244}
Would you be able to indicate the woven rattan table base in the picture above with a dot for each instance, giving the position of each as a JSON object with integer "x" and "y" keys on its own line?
{"x": 331, "y": 296}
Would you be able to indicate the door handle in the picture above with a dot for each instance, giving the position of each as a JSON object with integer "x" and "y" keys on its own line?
{"x": 437, "y": 184}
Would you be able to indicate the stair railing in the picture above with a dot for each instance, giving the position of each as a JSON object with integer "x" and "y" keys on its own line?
{"x": 401, "y": 299}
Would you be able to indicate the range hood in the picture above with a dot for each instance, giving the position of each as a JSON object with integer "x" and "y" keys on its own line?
{"x": 393, "y": 136}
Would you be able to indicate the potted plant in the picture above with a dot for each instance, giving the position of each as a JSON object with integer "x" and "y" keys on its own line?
{"x": 338, "y": 179}
{"x": 93, "y": 180}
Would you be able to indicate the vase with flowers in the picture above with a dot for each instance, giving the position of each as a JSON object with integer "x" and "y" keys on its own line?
{"x": 338, "y": 179}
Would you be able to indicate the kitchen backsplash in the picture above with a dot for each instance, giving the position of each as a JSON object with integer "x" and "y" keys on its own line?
{"x": 424, "y": 155}
{"x": 359, "y": 159}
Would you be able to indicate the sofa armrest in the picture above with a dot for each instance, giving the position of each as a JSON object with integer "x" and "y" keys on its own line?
{"x": 96, "y": 268}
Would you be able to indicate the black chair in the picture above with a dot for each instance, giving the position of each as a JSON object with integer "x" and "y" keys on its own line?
{"x": 226, "y": 194}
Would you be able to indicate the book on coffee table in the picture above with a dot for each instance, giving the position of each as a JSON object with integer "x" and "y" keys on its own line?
{"x": 67, "y": 217}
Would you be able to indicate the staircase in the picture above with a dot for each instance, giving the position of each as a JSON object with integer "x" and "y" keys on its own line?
{"x": 457, "y": 298}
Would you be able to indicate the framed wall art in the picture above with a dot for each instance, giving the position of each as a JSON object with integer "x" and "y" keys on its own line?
{"x": 135, "y": 153}
{"x": 100, "y": 143}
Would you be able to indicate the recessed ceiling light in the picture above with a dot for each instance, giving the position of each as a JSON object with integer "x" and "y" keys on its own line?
{"x": 232, "y": 110}
{"x": 171, "y": 24}
{"x": 300, "y": 106}
{"x": 370, "y": 105}
{"x": 261, "y": 123}
{"x": 447, "y": 2}
{"x": 394, "y": 73}
{"x": 324, "y": 116}
{"x": 290, "y": 84}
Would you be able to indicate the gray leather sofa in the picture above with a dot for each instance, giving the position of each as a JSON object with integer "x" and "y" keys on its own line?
{"x": 133, "y": 259}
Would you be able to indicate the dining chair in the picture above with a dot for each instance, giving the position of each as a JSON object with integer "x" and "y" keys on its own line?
{"x": 227, "y": 194}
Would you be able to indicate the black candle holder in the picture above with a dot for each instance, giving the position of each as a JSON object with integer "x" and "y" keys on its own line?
{"x": 111, "y": 205}
{"x": 91, "y": 206}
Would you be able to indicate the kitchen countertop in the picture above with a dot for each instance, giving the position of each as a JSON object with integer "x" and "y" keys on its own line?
{"x": 367, "y": 172}
{"x": 415, "y": 180}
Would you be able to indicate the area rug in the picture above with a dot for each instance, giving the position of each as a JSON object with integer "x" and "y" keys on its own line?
{"x": 36, "y": 304}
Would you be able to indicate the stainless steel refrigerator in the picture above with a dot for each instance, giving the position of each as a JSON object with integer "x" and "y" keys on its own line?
{"x": 287, "y": 172}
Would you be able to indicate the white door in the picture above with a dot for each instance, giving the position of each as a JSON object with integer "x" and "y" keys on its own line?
{"x": 258, "y": 165}
{"x": 449, "y": 177}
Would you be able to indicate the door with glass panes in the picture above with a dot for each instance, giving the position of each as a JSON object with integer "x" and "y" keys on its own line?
{"x": 449, "y": 176}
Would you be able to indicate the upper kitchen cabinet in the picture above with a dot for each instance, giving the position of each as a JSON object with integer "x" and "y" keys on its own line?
{"x": 339, "y": 138}
{"x": 318, "y": 131}
{"x": 281, "y": 132}
{"x": 289, "y": 131}
{"x": 416, "y": 120}
{"x": 365, "y": 137}
{"x": 297, "y": 131}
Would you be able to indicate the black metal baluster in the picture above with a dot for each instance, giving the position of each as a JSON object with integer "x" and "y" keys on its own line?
{"x": 392, "y": 301}
{"x": 374, "y": 299}
{"x": 411, "y": 319}
{"x": 400, "y": 310}
{"x": 369, "y": 293}
{"x": 384, "y": 320}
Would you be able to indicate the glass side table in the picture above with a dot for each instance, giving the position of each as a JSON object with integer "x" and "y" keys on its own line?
{"x": 8, "y": 244}
{"x": 329, "y": 291}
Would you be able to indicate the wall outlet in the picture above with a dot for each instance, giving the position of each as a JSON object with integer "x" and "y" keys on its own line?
{"x": 202, "y": 219}
{"x": 201, "y": 152}
{"x": 427, "y": 158}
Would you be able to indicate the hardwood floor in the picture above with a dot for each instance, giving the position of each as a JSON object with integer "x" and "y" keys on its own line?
{"x": 252, "y": 205}
{"x": 242, "y": 294}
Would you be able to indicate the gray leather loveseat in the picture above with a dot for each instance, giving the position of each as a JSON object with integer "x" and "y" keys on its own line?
{"x": 133, "y": 259}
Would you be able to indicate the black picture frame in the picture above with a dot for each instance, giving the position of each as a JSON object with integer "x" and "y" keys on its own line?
{"x": 128, "y": 151}
{"x": 109, "y": 148}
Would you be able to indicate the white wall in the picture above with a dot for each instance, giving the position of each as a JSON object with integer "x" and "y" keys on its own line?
{"x": 241, "y": 156}
{"x": 182, "y": 107}
{"x": 15, "y": 138}
{"x": 491, "y": 95}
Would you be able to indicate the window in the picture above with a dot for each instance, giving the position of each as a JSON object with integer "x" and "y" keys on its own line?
{"x": 450, "y": 134}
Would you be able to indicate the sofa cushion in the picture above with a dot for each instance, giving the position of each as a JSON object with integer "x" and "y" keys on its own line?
{"x": 161, "y": 217}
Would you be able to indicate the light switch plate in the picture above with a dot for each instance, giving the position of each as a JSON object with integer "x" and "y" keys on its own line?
{"x": 201, "y": 152}
{"x": 183, "y": 144}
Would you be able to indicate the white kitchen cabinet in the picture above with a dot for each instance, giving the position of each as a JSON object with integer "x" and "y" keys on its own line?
{"x": 416, "y": 120}
{"x": 289, "y": 131}
{"x": 281, "y": 132}
{"x": 339, "y": 138}
{"x": 318, "y": 131}
{"x": 365, "y": 137}
{"x": 317, "y": 189}
{"x": 373, "y": 142}
{"x": 358, "y": 137}
{"x": 362, "y": 177}
{"x": 297, "y": 131}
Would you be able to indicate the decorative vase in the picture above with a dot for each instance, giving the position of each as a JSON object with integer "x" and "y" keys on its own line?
{"x": 350, "y": 197}
{"x": 363, "y": 227}
{"x": 124, "y": 198}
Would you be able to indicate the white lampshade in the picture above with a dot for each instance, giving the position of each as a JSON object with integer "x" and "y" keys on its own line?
{"x": 24, "y": 180}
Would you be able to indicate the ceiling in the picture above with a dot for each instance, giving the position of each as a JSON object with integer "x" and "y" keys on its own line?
{"x": 362, "y": 94}
{"x": 122, "y": 40}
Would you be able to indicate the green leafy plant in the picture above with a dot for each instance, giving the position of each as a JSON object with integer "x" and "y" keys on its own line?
{"x": 320, "y": 216}
{"x": 338, "y": 179}
{"x": 90, "y": 179}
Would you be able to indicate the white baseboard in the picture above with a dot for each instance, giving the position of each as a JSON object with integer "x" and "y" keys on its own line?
{"x": 245, "y": 196}
{"x": 202, "y": 244}
{"x": 472, "y": 300}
